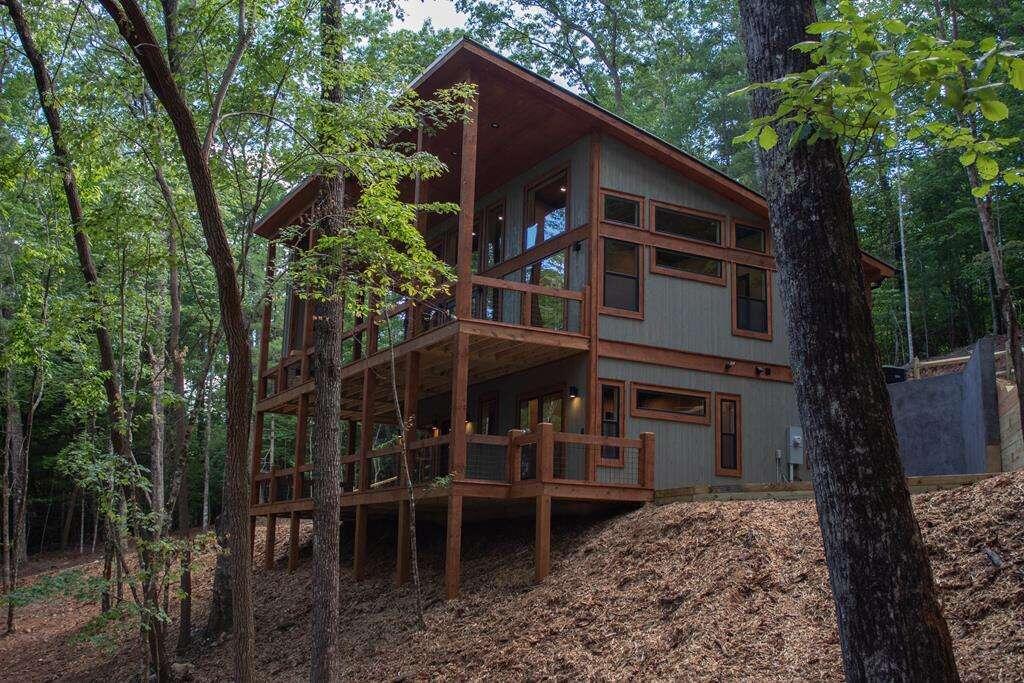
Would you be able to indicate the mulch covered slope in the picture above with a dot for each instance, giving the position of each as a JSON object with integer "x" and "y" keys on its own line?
{"x": 697, "y": 590}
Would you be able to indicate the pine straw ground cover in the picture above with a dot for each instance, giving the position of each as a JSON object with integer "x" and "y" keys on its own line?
{"x": 717, "y": 590}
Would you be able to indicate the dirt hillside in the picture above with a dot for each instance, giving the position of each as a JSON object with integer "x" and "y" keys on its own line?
{"x": 689, "y": 590}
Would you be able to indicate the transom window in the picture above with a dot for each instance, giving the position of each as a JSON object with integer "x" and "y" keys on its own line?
{"x": 751, "y": 238}
{"x": 619, "y": 209}
{"x": 751, "y": 300}
{"x": 666, "y": 403}
{"x": 621, "y": 275}
{"x": 671, "y": 262}
{"x": 686, "y": 224}
{"x": 547, "y": 213}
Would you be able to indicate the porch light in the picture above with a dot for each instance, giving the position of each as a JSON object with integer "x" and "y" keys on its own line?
{"x": 573, "y": 391}
{"x": 495, "y": 125}
{"x": 561, "y": 189}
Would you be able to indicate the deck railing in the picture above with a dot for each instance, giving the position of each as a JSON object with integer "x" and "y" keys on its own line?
{"x": 542, "y": 455}
{"x": 528, "y": 305}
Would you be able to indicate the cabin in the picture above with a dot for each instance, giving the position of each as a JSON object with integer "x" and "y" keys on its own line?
{"x": 615, "y": 329}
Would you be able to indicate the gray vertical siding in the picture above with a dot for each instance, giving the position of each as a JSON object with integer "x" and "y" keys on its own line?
{"x": 685, "y": 453}
{"x": 683, "y": 314}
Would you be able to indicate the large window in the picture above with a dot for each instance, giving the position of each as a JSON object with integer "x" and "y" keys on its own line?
{"x": 752, "y": 302}
{"x": 728, "y": 439}
{"x": 691, "y": 225}
{"x": 666, "y": 403}
{"x": 543, "y": 310}
{"x": 691, "y": 266}
{"x": 547, "y": 212}
{"x": 618, "y": 208}
{"x": 751, "y": 238}
{"x": 488, "y": 419}
{"x": 621, "y": 275}
{"x": 494, "y": 235}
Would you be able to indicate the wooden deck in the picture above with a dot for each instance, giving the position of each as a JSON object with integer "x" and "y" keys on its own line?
{"x": 540, "y": 466}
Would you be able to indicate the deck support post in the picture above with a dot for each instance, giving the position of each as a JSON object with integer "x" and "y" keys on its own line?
{"x": 542, "y": 538}
{"x": 402, "y": 551}
{"x": 366, "y": 429}
{"x": 460, "y": 390}
{"x": 270, "y": 542}
{"x": 359, "y": 544}
{"x": 453, "y": 546}
{"x": 591, "y": 315}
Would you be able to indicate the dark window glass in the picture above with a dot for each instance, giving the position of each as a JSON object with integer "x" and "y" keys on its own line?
{"x": 751, "y": 238}
{"x": 727, "y": 454}
{"x": 494, "y": 234}
{"x": 621, "y": 275}
{"x": 621, "y": 210}
{"x": 751, "y": 299}
{"x": 547, "y": 311}
{"x": 671, "y": 402}
{"x": 489, "y": 416}
{"x": 677, "y": 260}
{"x": 474, "y": 263}
{"x": 546, "y": 210}
{"x": 687, "y": 225}
{"x": 611, "y": 406}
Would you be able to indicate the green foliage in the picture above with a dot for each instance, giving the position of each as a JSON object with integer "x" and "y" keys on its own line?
{"x": 868, "y": 69}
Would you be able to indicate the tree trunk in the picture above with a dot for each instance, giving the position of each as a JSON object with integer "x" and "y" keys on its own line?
{"x": 69, "y": 518}
{"x": 890, "y": 623}
{"x": 137, "y": 32}
{"x": 325, "y": 662}
{"x": 14, "y": 444}
{"x": 206, "y": 462}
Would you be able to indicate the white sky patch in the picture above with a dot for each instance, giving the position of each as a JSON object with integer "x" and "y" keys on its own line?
{"x": 441, "y": 13}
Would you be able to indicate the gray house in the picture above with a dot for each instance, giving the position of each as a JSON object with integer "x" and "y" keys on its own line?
{"x": 616, "y": 326}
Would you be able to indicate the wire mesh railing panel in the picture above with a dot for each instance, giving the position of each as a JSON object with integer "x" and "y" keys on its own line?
{"x": 384, "y": 470}
{"x": 528, "y": 461}
{"x": 627, "y": 475}
{"x": 569, "y": 461}
{"x": 428, "y": 463}
{"x": 487, "y": 461}
{"x": 263, "y": 492}
{"x": 283, "y": 485}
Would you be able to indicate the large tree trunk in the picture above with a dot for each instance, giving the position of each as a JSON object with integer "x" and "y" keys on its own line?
{"x": 137, "y": 32}
{"x": 890, "y": 623}
{"x": 325, "y": 662}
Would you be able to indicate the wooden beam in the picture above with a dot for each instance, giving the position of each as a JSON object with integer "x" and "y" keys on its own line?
{"x": 270, "y": 542}
{"x": 453, "y": 547}
{"x": 366, "y": 429}
{"x": 359, "y": 544}
{"x": 542, "y": 538}
{"x": 402, "y": 551}
{"x": 686, "y": 360}
{"x": 467, "y": 200}
{"x": 460, "y": 389}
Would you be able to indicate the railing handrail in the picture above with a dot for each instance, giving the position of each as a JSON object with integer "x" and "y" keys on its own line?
{"x": 595, "y": 440}
{"x": 528, "y": 288}
{"x": 488, "y": 439}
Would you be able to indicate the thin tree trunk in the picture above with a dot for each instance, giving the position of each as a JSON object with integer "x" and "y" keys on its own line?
{"x": 206, "y": 462}
{"x": 69, "y": 518}
{"x": 890, "y": 622}
{"x": 135, "y": 28}
{"x": 325, "y": 661}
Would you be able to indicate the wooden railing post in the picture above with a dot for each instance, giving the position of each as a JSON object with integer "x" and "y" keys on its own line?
{"x": 645, "y": 466}
{"x": 545, "y": 451}
{"x": 515, "y": 456}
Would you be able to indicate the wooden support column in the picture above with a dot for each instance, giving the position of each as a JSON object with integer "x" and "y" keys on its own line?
{"x": 366, "y": 430}
{"x": 350, "y": 468}
{"x": 593, "y": 400}
{"x": 453, "y": 546}
{"x": 271, "y": 538}
{"x": 467, "y": 199}
{"x": 545, "y": 451}
{"x": 460, "y": 392}
{"x": 402, "y": 551}
{"x": 268, "y": 311}
{"x": 542, "y": 538}
{"x": 359, "y": 544}
{"x": 257, "y": 454}
{"x": 515, "y": 456}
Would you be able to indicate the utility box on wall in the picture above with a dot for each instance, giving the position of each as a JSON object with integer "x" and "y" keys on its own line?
{"x": 795, "y": 445}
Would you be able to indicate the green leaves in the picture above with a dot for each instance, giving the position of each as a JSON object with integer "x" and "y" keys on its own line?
{"x": 767, "y": 137}
{"x": 994, "y": 110}
{"x": 1017, "y": 73}
{"x": 988, "y": 168}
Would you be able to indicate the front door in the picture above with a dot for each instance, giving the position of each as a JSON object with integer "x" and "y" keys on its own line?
{"x": 544, "y": 407}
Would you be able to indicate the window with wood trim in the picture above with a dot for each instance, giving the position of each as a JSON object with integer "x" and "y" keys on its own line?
{"x": 621, "y": 209}
{"x": 547, "y": 210}
{"x": 543, "y": 310}
{"x": 621, "y": 286}
{"x": 668, "y": 403}
{"x": 692, "y": 225}
{"x": 728, "y": 436}
{"x": 690, "y": 266}
{"x": 612, "y": 419}
{"x": 751, "y": 302}
{"x": 751, "y": 238}
{"x": 487, "y": 419}
{"x": 493, "y": 238}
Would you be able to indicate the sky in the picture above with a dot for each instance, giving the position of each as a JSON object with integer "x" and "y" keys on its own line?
{"x": 441, "y": 12}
